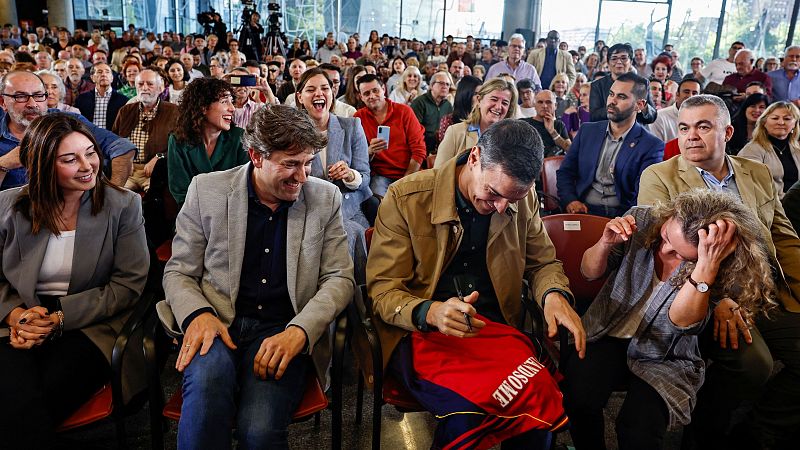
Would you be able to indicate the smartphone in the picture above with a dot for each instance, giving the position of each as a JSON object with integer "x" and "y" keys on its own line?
{"x": 383, "y": 133}
{"x": 243, "y": 80}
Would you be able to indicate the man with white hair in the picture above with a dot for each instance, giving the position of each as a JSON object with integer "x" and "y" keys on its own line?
{"x": 785, "y": 81}
{"x": 43, "y": 61}
{"x": 746, "y": 72}
{"x": 75, "y": 83}
{"x": 514, "y": 65}
{"x": 147, "y": 123}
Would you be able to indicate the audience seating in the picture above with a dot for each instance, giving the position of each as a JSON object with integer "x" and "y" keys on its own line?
{"x": 314, "y": 399}
{"x": 109, "y": 401}
{"x": 548, "y": 190}
{"x": 572, "y": 235}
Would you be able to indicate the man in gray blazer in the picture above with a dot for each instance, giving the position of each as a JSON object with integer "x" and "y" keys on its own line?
{"x": 259, "y": 270}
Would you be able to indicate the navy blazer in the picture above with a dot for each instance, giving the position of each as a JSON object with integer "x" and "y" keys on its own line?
{"x": 639, "y": 150}
{"x": 346, "y": 142}
{"x": 86, "y": 101}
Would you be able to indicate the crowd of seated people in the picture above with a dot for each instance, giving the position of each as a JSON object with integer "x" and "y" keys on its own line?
{"x": 280, "y": 163}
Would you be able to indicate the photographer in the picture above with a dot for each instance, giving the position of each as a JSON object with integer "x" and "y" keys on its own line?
{"x": 250, "y": 36}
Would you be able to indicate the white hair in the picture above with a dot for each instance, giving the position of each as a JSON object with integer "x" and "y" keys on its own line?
{"x": 517, "y": 36}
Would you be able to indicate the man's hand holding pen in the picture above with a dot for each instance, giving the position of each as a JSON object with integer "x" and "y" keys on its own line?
{"x": 455, "y": 317}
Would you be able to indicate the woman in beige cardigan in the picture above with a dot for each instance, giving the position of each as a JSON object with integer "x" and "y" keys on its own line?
{"x": 497, "y": 100}
{"x": 775, "y": 143}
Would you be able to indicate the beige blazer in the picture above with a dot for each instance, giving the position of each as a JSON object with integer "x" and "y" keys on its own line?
{"x": 455, "y": 141}
{"x": 563, "y": 64}
{"x": 208, "y": 249}
{"x": 758, "y": 153}
{"x": 665, "y": 180}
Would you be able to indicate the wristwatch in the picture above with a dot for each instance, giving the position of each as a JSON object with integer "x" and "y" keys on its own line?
{"x": 701, "y": 286}
{"x": 161, "y": 155}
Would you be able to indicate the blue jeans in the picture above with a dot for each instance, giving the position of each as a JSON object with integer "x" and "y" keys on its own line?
{"x": 214, "y": 384}
{"x": 380, "y": 184}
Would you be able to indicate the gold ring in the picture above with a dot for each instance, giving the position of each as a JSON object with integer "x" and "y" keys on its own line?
{"x": 188, "y": 345}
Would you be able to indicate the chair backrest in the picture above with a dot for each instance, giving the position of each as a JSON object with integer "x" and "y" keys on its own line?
{"x": 549, "y": 168}
{"x": 572, "y": 235}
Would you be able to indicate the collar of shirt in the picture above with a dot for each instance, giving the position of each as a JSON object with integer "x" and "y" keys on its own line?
{"x": 147, "y": 116}
{"x": 475, "y": 128}
{"x": 251, "y": 194}
{"x": 106, "y": 95}
{"x": 708, "y": 176}
{"x": 248, "y": 105}
{"x": 5, "y": 132}
{"x": 622, "y": 137}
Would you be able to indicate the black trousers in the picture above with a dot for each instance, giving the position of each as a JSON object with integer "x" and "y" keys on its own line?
{"x": 42, "y": 386}
{"x": 742, "y": 377}
{"x": 587, "y": 386}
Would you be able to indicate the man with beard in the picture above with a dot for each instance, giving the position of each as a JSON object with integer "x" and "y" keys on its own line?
{"x": 23, "y": 99}
{"x": 619, "y": 63}
{"x": 75, "y": 83}
{"x": 785, "y": 81}
{"x": 147, "y": 123}
{"x": 600, "y": 174}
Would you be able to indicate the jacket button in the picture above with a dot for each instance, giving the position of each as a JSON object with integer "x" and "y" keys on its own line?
{"x": 398, "y": 309}
{"x": 346, "y": 196}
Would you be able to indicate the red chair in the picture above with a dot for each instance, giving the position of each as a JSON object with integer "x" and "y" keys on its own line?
{"x": 108, "y": 401}
{"x": 572, "y": 235}
{"x": 313, "y": 402}
{"x": 550, "y": 193}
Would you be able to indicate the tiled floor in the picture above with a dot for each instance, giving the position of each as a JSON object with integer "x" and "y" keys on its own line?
{"x": 400, "y": 431}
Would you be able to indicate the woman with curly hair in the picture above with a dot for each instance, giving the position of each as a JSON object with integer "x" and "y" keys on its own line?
{"x": 667, "y": 266}
{"x": 204, "y": 139}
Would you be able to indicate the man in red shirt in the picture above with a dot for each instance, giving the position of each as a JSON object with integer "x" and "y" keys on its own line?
{"x": 405, "y": 151}
{"x": 746, "y": 73}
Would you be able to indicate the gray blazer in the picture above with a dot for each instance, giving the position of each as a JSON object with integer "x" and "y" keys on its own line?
{"x": 208, "y": 249}
{"x": 109, "y": 266}
{"x": 661, "y": 353}
{"x": 346, "y": 142}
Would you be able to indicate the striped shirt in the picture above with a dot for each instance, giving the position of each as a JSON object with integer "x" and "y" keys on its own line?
{"x": 242, "y": 116}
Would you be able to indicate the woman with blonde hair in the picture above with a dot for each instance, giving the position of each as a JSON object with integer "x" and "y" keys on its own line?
{"x": 559, "y": 85}
{"x": 667, "y": 266}
{"x": 775, "y": 143}
{"x": 118, "y": 58}
{"x": 408, "y": 87}
{"x": 497, "y": 100}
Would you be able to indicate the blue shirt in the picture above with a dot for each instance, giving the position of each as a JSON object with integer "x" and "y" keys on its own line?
{"x": 549, "y": 68}
{"x": 111, "y": 146}
{"x": 728, "y": 184}
{"x": 474, "y": 128}
{"x": 784, "y": 89}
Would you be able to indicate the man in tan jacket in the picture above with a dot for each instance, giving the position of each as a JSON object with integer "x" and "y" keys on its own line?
{"x": 739, "y": 373}
{"x": 550, "y": 60}
{"x": 474, "y": 222}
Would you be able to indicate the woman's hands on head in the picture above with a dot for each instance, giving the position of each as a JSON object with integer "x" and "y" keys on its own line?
{"x": 619, "y": 230}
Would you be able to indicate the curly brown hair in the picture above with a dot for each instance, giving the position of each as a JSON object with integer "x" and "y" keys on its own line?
{"x": 196, "y": 98}
{"x": 746, "y": 275}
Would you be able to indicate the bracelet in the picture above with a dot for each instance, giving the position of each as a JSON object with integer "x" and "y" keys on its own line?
{"x": 4, "y": 169}
{"x": 60, "y": 330}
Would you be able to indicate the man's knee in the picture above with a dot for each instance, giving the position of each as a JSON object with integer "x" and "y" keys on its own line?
{"x": 752, "y": 364}
{"x": 212, "y": 371}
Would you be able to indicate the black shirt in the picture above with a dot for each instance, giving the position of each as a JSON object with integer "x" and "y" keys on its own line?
{"x": 263, "y": 292}
{"x": 784, "y": 152}
{"x": 550, "y": 147}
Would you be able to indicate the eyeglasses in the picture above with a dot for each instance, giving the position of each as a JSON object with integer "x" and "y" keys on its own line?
{"x": 622, "y": 59}
{"x": 443, "y": 83}
{"x": 23, "y": 98}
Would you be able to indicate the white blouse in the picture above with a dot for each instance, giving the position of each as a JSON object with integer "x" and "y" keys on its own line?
{"x": 56, "y": 267}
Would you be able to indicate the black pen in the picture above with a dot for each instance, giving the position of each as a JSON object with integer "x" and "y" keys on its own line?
{"x": 461, "y": 297}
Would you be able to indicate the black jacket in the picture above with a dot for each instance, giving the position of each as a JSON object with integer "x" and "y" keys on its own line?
{"x": 86, "y": 101}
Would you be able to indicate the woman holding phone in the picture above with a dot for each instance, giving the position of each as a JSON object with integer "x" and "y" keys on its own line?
{"x": 345, "y": 161}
